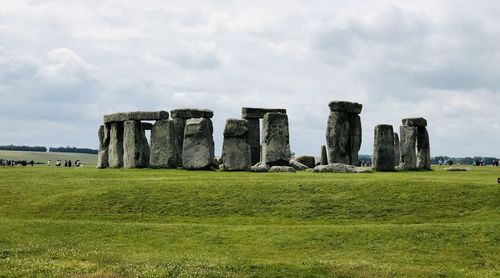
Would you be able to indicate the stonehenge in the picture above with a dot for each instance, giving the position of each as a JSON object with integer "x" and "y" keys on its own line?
{"x": 276, "y": 140}
{"x": 186, "y": 141}
{"x": 383, "y": 148}
{"x": 235, "y": 149}
{"x": 253, "y": 116}
{"x": 198, "y": 147}
{"x": 414, "y": 145}
{"x": 343, "y": 134}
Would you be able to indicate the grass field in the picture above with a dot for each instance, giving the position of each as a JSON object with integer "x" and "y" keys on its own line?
{"x": 149, "y": 223}
{"x": 86, "y": 159}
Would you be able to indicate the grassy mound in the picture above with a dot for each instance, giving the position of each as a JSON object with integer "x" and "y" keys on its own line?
{"x": 57, "y": 221}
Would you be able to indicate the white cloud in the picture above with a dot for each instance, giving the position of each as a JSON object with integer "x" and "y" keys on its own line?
{"x": 63, "y": 65}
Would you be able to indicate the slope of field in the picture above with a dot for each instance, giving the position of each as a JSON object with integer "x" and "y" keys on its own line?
{"x": 86, "y": 159}
{"x": 113, "y": 223}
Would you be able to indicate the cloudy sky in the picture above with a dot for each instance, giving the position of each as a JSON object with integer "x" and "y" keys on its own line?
{"x": 63, "y": 64}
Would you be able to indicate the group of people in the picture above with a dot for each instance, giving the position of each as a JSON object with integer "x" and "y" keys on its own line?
{"x": 447, "y": 162}
{"x": 365, "y": 164}
{"x": 4, "y": 162}
{"x": 67, "y": 163}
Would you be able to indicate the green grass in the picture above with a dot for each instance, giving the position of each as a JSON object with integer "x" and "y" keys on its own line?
{"x": 86, "y": 159}
{"x": 114, "y": 223}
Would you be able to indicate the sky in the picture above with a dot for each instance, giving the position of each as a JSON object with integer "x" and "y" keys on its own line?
{"x": 64, "y": 64}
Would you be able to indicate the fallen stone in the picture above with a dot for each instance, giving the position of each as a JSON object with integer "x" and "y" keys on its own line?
{"x": 308, "y": 161}
{"x": 345, "y": 106}
{"x": 189, "y": 113}
{"x": 276, "y": 140}
{"x": 297, "y": 165}
{"x": 336, "y": 168}
{"x": 457, "y": 169}
{"x": 102, "y": 156}
{"x": 260, "y": 168}
{"x": 163, "y": 150}
{"x": 415, "y": 122}
{"x": 115, "y": 151}
{"x": 383, "y": 148}
{"x": 197, "y": 151}
{"x": 286, "y": 169}
{"x": 258, "y": 113}
{"x": 135, "y": 145}
{"x": 136, "y": 116}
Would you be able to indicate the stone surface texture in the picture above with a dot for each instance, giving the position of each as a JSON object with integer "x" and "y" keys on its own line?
{"x": 308, "y": 161}
{"x": 136, "y": 116}
{"x": 397, "y": 152}
{"x": 163, "y": 150}
{"x": 115, "y": 151}
{"x": 408, "y": 139}
{"x": 276, "y": 140}
{"x": 345, "y": 106}
{"x": 198, "y": 150}
{"x": 258, "y": 113}
{"x": 102, "y": 155}
{"x": 285, "y": 169}
{"x": 188, "y": 113}
{"x": 383, "y": 148}
{"x": 236, "y": 154}
{"x": 415, "y": 122}
{"x": 324, "y": 156}
{"x": 135, "y": 145}
{"x": 423, "y": 149}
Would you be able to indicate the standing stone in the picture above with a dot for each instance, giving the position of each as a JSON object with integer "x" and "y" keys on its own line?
{"x": 338, "y": 138}
{"x": 397, "y": 153}
{"x": 383, "y": 149}
{"x": 276, "y": 140}
{"x": 102, "y": 157}
{"x": 135, "y": 145}
{"x": 254, "y": 139}
{"x": 355, "y": 134}
{"x": 179, "y": 126}
{"x": 423, "y": 149}
{"x": 235, "y": 149}
{"x": 115, "y": 151}
{"x": 197, "y": 151}
{"x": 163, "y": 150}
{"x": 324, "y": 156}
{"x": 408, "y": 137}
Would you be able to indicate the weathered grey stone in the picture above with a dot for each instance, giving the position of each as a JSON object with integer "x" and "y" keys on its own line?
{"x": 408, "y": 138}
{"x": 235, "y": 149}
{"x": 135, "y": 145}
{"x": 355, "y": 134}
{"x": 258, "y": 113}
{"x": 179, "y": 125}
{"x": 188, "y": 113}
{"x": 324, "y": 156}
{"x": 254, "y": 139}
{"x": 163, "y": 150}
{"x": 423, "y": 149}
{"x": 336, "y": 168}
{"x": 147, "y": 126}
{"x": 197, "y": 149}
{"x": 457, "y": 169}
{"x": 136, "y": 116}
{"x": 260, "y": 168}
{"x": 415, "y": 122}
{"x": 285, "y": 169}
{"x": 297, "y": 165}
{"x": 236, "y": 128}
{"x": 397, "y": 153}
{"x": 115, "y": 151}
{"x": 308, "y": 161}
{"x": 102, "y": 156}
{"x": 383, "y": 149}
{"x": 276, "y": 140}
{"x": 345, "y": 106}
{"x": 337, "y": 138}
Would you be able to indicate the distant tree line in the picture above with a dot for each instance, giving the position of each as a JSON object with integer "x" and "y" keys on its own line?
{"x": 24, "y": 148}
{"x": 72, "y": 150}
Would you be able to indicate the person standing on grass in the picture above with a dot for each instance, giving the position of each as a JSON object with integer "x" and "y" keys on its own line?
{"x": 49, "y": 162}
{"x": 69, "y": 163}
